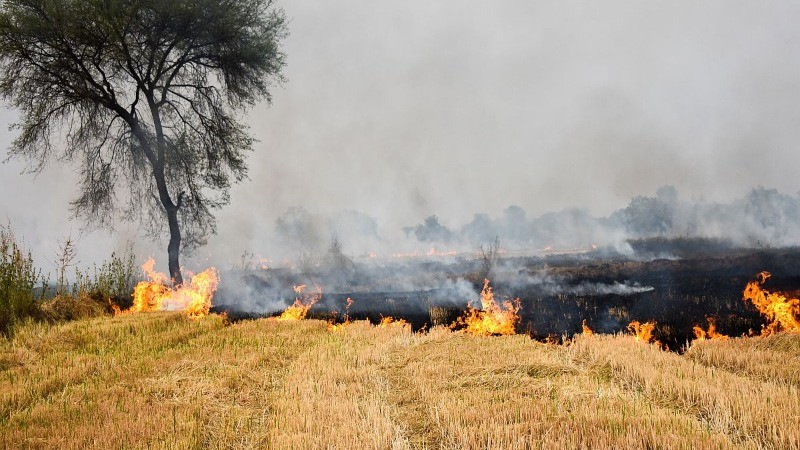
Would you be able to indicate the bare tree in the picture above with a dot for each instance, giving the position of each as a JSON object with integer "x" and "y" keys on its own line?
{"x": 65, "y": 258}
{"x": 145, "y": 97}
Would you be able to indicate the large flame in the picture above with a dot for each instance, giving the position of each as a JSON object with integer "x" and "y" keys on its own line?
{"x": 299, "y": 309}
{"x": 155, "y": 294}
{"x": 710, "y": 333}
{"x": 643, "y": 331}
{"x": 782, "y": 313}
{"x": 491, "y": 319}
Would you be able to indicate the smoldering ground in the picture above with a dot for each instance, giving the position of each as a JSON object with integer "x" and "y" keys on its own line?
{"x": 580, "y": 273}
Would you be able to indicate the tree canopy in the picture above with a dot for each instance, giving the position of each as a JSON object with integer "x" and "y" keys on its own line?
{"x": 146, "y": 97}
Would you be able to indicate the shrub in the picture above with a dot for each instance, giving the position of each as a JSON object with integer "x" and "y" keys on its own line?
{"x": 112, "y": 282}
{"x": 103, "y": 291}
{"x": 18, "y": 278}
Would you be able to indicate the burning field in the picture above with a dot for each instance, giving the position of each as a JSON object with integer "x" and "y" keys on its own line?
{"x": 399, "y": 225}
{"x": 549, "y": 298}
{"x": 170, "y": 373}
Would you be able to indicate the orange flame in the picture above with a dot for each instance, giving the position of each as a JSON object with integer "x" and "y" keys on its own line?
{"x": 194, "y": 297}
{"x": 643, "y": 331}
{"x": 701, "y": 334}
{"x": 336, "y": 327}
{"x": 387, "y": 322}
{"x": 782, "y": 313}
{"x": 340, "y": 326}
{"x": 586, "y": 331}
{"x": 491, "y": 319}
{"x": 299, "y": 309}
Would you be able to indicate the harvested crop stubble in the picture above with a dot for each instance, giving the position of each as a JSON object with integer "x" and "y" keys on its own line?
{"x": 159, "y": 380}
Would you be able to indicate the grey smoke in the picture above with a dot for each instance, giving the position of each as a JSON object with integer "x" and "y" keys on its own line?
{"x": 616, "y": 288}
{"x": 511, "y": 275}
{"x": 764, "y": 217}
{"x": 407, "y": 110}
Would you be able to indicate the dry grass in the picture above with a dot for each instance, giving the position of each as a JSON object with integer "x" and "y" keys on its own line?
{"x": 159, "y": 381}
{"x": 511, "y": 393}
{"x": 774, "y": 358}
{"x": 750, "y": 413}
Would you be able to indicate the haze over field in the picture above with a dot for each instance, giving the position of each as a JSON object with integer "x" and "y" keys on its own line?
{"x": 402, "y": 111}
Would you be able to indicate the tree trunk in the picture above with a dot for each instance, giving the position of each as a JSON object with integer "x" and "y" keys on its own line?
{"x": 157, "y": 161}
{"x": 174, "y": 247}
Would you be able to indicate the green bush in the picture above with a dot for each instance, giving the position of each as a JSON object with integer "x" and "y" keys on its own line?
{"x": 106, "y": 289}
{"x": 18, "y": 278}
{"x": 113, "y": 280}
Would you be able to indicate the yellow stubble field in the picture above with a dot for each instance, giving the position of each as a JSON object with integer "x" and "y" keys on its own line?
{"x": 158, "y": 380}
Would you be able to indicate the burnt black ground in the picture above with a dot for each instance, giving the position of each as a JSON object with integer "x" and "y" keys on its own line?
{"x": 687, "y": 288}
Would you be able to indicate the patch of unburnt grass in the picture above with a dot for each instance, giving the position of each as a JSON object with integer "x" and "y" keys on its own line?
{"x": 751, "y": 413}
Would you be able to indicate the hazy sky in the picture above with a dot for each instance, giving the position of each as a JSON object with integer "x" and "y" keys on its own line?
{"x": 406, "y": 109}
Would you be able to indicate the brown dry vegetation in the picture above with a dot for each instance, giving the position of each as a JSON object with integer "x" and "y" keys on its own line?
{"x": 157, "y": 380}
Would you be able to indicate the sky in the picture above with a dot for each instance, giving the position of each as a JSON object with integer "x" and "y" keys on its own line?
{"x": 405, "y": 109}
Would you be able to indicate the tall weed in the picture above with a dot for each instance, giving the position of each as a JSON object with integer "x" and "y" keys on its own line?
{"x": 107, "y": 289}
{"x": 18, "y": 278}
{"x": 113, "y": 280}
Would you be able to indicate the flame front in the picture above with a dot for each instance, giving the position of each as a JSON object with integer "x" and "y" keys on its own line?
{"x": 782, "y": 313}
{"x": 387, "y": 322}
{"x": 491, "y": 319}
{"x": 711, "y": 333}
{"x": 642, "y": 331}
{"x": 194, "y": 297}
{"x": 299, "y": 309}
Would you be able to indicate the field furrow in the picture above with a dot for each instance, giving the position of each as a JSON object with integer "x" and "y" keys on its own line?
{"x": 335, "y": 395}
{"x": 468, "y": 392}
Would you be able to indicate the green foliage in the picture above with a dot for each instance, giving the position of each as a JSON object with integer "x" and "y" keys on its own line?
{"x": 108, "y": 287}
{"x": 18, "y": 278}
{"x": 102, "y": 291}
{"x": 113, "y": 280}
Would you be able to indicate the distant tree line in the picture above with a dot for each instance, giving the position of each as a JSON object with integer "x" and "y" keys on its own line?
{"x": 763, "y": 217}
